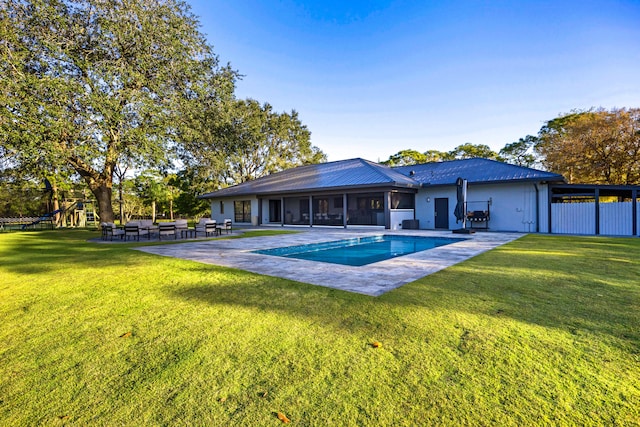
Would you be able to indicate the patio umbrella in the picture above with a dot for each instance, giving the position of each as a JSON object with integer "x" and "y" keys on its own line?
{"x": 461, "y": 193}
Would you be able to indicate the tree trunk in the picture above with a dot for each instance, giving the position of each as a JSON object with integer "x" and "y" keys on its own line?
{"x": 153, "y": 211}
{"x": 121, "y": 172}
{"x": 100, "y": 185}
{"x": 102, "y": 193}
{"x": 57, "y": 218}
{"x": 121, "y": 198}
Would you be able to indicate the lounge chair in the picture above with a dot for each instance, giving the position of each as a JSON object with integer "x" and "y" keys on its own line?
{"x": 147, "y": 224}
{"x": 181, "y": 224}
{"x": 109, "y": 230}
{"x": 134, "y": 229}
{"x": 228, "y": 226}
{"x": 167, "y": 229}
{"x": 206, "y": 226}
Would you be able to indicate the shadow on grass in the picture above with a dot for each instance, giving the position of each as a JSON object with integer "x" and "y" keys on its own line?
{"x": 595, "y": 290}
{"x": 35, "y": 252}
{"x": 331, "y": 308}
{"x": 572, "y": 283}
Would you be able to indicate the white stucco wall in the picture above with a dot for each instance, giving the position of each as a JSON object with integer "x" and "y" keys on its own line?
{"x": 229, "y": 212}
{"x": 399, "y": 215}
{"x": 513, "y": 206}
{"x": 215, "y": 209}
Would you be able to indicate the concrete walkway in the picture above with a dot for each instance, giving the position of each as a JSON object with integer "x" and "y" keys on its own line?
{"x": 373, "y": 279}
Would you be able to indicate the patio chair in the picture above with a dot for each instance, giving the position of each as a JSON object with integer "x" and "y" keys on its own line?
{"x": 167, "y": 229}
{"x": 134, "y": 229}
{"x": 109, "y": 230}
{"x": 206, "y": 226}
{"x": 181, "y": 224}
{"x": 228, "y": 226}
{"x": 147, "y": 224}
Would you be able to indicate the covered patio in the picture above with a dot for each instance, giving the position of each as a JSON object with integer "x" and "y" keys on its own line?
{"x": 339, "y": 194}
{"x": 372, "y": 208}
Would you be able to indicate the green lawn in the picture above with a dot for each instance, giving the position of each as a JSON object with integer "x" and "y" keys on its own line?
{"x": 542, "y": 331}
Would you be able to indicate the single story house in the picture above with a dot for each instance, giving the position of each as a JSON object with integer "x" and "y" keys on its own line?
{"x": 357, "y": 192}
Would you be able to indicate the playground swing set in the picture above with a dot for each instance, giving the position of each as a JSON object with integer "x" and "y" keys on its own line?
{"x": 75, "y": 213}
{"x": 72, "y": 212}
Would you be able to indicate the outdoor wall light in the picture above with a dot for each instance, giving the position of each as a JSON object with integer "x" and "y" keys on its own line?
{"x": 428, "y": 199}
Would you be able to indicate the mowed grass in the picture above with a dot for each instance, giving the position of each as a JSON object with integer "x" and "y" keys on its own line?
{"x": 542, "y": 331}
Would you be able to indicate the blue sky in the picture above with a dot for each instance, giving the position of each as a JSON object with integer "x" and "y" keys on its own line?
{"x": 371, "y": 78}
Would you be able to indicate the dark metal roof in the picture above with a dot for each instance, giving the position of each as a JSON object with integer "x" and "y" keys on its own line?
{"x": 475, "y": 171}
{"x": 360, "y": 173}
{"x": 343, "y": 174}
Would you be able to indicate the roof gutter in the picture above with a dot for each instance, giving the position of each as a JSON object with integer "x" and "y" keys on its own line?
{"x": 505, "y": 181}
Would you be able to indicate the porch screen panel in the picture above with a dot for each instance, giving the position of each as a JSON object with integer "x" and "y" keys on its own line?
{"x": 296, "y": 210}
{"x": 365, "y": 209}
{"x": 328, "y": 210}
{"x": 402, "y": 201}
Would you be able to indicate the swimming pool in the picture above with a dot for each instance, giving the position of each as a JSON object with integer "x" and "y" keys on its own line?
{"x": 360, "y": 251}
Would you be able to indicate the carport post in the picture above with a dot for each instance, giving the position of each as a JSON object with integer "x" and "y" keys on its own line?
{"x": 549, "y": 201}
{"x": 634, "y": 211}
{"x": 597, "y": 193}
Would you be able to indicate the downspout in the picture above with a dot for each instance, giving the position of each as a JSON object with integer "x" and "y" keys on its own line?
{"x": 535, "y": 185}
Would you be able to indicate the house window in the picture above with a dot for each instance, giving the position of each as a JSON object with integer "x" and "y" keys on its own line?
{"x": 221, "y": 207}
{"x": 242, "y": 210}
{"x": 338, "y": 202}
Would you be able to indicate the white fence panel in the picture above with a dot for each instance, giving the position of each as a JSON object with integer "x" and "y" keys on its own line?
{"x": 616, "y": 219}
{"x": 573, "y": 218}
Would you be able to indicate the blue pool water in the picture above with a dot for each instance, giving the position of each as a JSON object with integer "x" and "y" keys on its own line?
{"x": 360, "y": 250}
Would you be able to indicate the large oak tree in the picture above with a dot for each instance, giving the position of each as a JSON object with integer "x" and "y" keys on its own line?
{"x": 521, "y": 152}
{"x": 463, "y": 151}
{"x": 244, "y": 140}
{"x": 595, "y": 146}
{"x": 90, "y": 84}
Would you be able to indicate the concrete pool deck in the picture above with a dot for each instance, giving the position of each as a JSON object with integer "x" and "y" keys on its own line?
{"x": 372, "y": 279}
